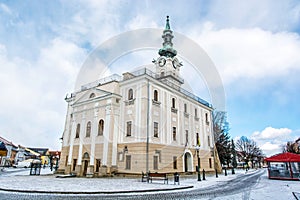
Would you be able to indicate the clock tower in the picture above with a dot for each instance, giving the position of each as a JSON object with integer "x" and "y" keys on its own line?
{"x": 167, "y": 64}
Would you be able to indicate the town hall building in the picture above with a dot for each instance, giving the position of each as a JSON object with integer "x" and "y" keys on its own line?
{"x": 138, "y": 122}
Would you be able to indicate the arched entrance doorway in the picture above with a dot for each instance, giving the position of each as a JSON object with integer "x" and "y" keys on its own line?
{"x": 85, "y": 162}
{"x": 187, "y": 162}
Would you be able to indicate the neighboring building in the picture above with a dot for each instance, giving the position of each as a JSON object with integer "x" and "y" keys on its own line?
{"x": 143, "y": 121}
{"x": 42, "y": 153}
{"x": 9, "y": 159}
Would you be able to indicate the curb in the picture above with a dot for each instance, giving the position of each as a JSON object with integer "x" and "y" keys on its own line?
{"x": 94, "y": 192}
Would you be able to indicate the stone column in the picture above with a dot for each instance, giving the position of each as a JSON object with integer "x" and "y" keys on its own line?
{"x": 72, "y": 137}
{"x": 115, "y": 137}
{"x": 106, "y": 135}
{"x": 81, "y": 136}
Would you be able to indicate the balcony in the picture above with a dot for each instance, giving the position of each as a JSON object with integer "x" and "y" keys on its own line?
{"x": 174, "y": 110}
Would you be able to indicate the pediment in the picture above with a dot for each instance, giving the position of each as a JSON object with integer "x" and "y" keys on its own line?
{"x": 90, "y": 94}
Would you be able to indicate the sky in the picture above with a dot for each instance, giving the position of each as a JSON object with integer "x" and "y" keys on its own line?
{"x": 254, "y": 45}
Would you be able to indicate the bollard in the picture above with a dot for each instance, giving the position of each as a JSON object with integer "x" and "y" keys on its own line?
{"x": 203, "y": 175}
{"x": 217, "y": 173}
{"x": 225, "y": 172}
{"x": 232, "y": 171}
{"x": 176, "y": 178}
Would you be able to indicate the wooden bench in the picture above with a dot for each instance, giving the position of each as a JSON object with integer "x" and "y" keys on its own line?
{"x": 157, "y": 176}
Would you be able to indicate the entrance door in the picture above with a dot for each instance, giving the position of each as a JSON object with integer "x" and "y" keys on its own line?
{"x": 187, "y": 162}
{"x": 86, "y": 163}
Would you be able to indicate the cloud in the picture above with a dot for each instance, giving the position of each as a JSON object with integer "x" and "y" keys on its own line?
{"x": 5, "y": 8}
{"x": 32, "y": 108}
{"x": 271, "y": 133}
{"x": 249, "y": 53}
{"x": 271, "y": 140}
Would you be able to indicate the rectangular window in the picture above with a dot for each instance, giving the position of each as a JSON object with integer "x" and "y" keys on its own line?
{"x": 174, "y": 162}
{"x": 74, "y": 164}
{"x": 197, "y": 139}
{"x": 174, "y": 133}
{"x": 208, "y": 141}
{"x": 155, "y": 162}
{"x": 128, "y": 129}
{"x": 210, "y": 163}
{"x": 196, "y": 112}
{"x": 128, "y": 162}
{"x": 155, "y": 129}
{"x": 98, "y": 164}
{"x": 185, "y": 108}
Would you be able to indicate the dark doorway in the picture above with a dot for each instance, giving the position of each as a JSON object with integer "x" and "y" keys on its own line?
{"x": 85, "y": 166}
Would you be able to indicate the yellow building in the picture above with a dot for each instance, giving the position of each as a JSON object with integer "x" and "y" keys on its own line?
{"x": 141, "y": 121}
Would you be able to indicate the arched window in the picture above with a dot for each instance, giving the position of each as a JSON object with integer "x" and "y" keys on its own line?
{"x": 77, "y": 131}
{"x": 88, "y": 129}
{"x": 100, "y": 127}
{"x": 155, "y": 97}
{"x": 130, "y": 94}
{"x": 92, "y": 95}
{"x": 173, "y": 102}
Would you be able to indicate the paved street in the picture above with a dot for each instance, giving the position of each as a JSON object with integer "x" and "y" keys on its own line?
{"x": 254, "y": 185}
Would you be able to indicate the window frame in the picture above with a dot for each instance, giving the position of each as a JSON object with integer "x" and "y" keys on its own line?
{"x": 101, "y": 127}
{"x": 88, "y": 129}
{"x": 128, "y": 128}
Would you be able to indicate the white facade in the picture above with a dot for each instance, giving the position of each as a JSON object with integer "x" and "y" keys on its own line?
{"x": 142, "y": 121}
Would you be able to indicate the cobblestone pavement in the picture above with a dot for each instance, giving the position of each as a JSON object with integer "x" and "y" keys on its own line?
{"x": 241, "y": 184}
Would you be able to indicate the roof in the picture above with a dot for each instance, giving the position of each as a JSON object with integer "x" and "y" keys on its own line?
{"x": 2, "y": 146}
{"x": 6, "y": 142}
{"x": 284, "y": 157}
{"x": 41, "y": 151}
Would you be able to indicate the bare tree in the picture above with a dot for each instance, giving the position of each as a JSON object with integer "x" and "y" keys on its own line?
{"x": 292, "y": 147}
{"x": 248, "y": 151}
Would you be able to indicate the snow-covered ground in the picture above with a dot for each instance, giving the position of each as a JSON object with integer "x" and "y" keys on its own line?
{"x": 264, "y": 189}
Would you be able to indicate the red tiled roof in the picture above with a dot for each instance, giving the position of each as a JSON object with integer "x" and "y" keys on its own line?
{"x": 284, "y": 157}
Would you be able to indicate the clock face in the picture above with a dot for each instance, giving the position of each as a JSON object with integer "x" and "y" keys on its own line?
{"x": 161, "y": 62}
{"x": 175, "y": 63}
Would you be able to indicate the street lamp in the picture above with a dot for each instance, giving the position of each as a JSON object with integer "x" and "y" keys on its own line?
{"x": 198, "y": 157}
{"x": 232, "y": 163}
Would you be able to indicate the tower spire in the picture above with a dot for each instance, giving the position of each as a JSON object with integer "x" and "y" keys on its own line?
{"x": 167, "y": 49}
{"x": 167, "y": 24}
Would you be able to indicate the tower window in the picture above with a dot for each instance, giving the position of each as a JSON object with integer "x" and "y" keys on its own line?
{"x": 130, "y": 94}
{"x": 92, "y": 95}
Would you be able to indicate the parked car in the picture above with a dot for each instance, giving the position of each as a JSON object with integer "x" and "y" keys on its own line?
{"x": 27, "y": 163}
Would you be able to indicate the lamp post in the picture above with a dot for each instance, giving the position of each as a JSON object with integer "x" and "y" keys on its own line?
{"x": 232, "y": 163}
{"x": 198, "y": 157}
